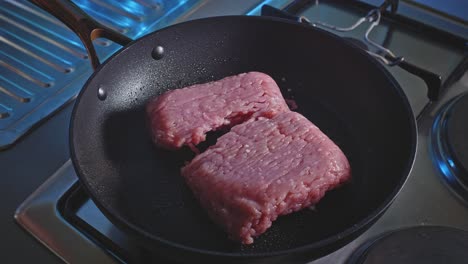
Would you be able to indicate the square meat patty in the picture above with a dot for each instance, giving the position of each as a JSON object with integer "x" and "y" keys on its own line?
{"x": 183, "y": 116}
{"x": 262, "y": 169}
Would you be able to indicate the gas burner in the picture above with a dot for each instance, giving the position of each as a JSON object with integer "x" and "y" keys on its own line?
{"x": 449, "y": 144}
{"x": 422, "y": 244}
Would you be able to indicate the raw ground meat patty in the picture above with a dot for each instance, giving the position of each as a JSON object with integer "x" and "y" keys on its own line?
{"x": 262, "y": 169}
{"x": 184, "y": 116}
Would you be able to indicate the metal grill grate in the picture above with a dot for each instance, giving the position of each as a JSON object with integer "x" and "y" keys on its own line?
{"x": 43, "y": 64}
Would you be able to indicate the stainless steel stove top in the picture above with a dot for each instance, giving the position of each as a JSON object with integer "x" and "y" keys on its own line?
{"x": 63, "y": 218}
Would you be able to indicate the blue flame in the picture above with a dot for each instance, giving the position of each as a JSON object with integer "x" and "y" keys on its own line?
{"x": 446, "y": 171}
{"x": 451, "y": 163}
{"x": 441, "y": 155}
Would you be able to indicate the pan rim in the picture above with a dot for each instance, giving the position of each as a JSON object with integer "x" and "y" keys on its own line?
{"x": 356, "y": 229}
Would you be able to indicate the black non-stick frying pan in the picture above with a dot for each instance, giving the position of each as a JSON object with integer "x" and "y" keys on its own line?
{"x": 138, "y": 186}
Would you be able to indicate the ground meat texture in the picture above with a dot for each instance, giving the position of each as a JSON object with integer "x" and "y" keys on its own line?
{"x": 183, "y": 116}
{"x": 262, "y": 169}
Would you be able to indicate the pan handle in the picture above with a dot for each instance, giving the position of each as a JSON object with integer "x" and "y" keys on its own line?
{"x": 83, "y": 25}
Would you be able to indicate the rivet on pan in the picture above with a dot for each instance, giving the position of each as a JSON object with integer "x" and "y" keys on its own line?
{"x": 101, "y": 94}
{"x": 157, "y": 53}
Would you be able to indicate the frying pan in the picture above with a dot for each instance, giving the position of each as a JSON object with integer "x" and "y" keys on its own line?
{"x": 138, "y": 186}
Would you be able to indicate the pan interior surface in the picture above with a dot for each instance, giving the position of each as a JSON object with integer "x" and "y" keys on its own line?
{"x": 346, "y": 94}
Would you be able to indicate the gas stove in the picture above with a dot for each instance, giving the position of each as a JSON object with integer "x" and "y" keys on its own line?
{"x": 431, "y": 210}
